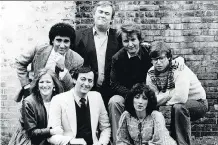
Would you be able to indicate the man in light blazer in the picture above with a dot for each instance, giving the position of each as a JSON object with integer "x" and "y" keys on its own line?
{"x": 80, "y": 113}
{"x": 56, "y": 56}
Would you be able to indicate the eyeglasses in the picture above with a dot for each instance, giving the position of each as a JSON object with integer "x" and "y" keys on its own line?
{"x": 140, "y": 133}
{"x": 161, "y": 59}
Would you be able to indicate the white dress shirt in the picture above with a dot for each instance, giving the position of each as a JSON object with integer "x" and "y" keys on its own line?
{"x": 101, "y": 46}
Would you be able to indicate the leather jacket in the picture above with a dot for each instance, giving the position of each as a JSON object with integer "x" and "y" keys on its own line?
{"x": 34, "y": 119}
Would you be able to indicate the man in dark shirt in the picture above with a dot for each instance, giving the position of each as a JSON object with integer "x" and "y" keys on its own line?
{"x": 129, "y": 66}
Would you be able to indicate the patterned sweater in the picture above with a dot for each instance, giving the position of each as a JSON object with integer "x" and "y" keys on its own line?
{"x": 153, "y": 130}
{"x": 187, "y": 86}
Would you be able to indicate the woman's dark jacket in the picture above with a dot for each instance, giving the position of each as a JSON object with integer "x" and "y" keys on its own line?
{"x": 34, "y": 119}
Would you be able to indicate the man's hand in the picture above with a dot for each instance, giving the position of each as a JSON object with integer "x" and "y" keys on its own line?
{"x": 60, "y": 62}
{"x": 162, "y": 101}
{"x": 162, "y": 98}
{"x": 56, "y": 130}
{"x": 179, "y": 61}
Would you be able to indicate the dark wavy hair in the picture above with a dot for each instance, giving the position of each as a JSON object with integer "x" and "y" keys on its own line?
{"x": 35, "y": 83}
{"x": 140, "y": 88}
{"x": 63, "y": 30}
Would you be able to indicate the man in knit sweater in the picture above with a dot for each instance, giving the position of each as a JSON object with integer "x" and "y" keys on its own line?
{"x": 180, "y": 89}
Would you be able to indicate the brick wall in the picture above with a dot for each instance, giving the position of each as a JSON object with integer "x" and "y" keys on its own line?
{"x": 190, "y": 28}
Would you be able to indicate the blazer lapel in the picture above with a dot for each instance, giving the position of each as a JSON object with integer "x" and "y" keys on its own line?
{"x": 91, "y": 49}
{"x": 93, "y": 106}
{"x": 71, "y": 111}
{"x": 41, "y": 58}
{"x": 68, "y": 59}
{"x": 112, "y": 47}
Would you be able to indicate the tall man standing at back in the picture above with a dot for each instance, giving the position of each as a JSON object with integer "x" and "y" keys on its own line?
{"x": 98, "y": 44}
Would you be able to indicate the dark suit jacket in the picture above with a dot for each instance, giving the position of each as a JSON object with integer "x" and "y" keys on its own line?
{"x": 123, "y": 77}
{"x": 85, "y": 46}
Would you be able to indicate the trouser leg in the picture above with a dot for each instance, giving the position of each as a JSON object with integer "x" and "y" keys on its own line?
{"x": 180, "y": 124}
{"x": 115, "y": 108}
{"x": 197, "y": 109}
{"x": 181, "y": 117}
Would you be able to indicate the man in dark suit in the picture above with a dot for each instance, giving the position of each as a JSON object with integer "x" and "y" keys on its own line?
{"x": 98, "y": 44}
{"x": 55, "y": 56}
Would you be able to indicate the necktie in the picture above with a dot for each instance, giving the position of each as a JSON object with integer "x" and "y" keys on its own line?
{"x": 83, "y": 102}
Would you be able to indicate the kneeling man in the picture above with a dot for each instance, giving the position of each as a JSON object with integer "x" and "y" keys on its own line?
{"x": 80, "y": 113}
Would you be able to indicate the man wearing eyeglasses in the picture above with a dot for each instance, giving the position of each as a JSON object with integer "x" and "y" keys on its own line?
{"x": 180, "y": 89}
{"x": 129, "y": 67}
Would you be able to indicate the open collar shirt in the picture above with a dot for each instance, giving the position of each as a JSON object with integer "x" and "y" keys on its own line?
{"x": 101, "y": 46}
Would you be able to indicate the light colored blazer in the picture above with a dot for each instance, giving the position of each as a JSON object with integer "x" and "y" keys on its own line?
{"x": 62, "y": 115}
{"x": 38, "y": 57}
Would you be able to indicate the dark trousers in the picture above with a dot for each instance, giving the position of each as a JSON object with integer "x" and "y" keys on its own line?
{"x": 181, "y": 117}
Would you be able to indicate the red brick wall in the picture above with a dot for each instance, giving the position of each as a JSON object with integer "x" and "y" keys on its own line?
{"x": 190, "y": 27}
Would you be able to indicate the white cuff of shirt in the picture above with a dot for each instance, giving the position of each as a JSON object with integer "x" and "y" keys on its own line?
{"x": 62, "y": 74}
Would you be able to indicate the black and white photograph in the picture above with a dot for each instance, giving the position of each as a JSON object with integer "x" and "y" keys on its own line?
{"x": 109, "y": 72}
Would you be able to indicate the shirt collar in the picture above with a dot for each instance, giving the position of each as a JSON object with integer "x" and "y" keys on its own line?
{"x": 96, "y": 33}
{"x": 77, "y": 98}
{"x": 139, "y": 54}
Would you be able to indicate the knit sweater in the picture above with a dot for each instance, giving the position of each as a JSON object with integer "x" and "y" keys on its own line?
{"x": 187, "y": 87}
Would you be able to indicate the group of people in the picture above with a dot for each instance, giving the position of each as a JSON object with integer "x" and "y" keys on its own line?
{"x": 99, "y": 86}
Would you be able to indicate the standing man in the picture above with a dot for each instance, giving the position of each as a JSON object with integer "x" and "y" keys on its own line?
{"x": 80, "y": 113}
{"x": 180, "y": 89}
{"x": 56, "y": 56}
{"x": 98, "y": 44}
{"x": 129, "y": 67}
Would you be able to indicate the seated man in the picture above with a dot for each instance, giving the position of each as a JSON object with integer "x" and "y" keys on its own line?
{"x": 129, "y": 67}
{"x": 80, "y": 113}
{"x": 180, "y": 89}
{"x": 57, "y": 56}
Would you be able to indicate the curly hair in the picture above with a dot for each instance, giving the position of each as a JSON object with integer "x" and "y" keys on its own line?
{"x": 140, "y": 88}
{"x": 35, "y": 83}
{"x": 63, "y": 30}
